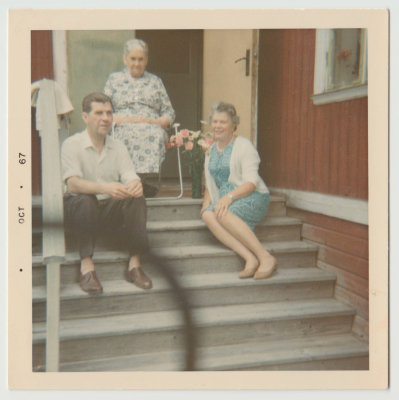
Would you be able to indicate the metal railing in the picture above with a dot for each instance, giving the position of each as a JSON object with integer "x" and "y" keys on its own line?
{"x": 179, "y": 168}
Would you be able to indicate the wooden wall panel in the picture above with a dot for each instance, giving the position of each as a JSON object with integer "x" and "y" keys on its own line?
{"x": 343, "y": 250}
{"x": 41, "y": 67}
{"x": 346, "y": 262}
{"x": 334, "y": 224}
{"x": 319, "y": 148}
{"x": 349, "y": 244}
{"x": 41, "y": 55}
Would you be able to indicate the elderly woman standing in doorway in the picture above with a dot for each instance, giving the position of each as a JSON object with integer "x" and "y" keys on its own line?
{"x": 236, "y": 199}
{"x": 142, "y": 109}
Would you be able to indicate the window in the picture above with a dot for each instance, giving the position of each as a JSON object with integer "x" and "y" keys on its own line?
{"x": 340, "y": 65}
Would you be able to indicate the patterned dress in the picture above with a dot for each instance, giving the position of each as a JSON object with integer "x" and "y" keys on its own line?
{"x": 252, "y": 208}
{"x": 142, "y": 97}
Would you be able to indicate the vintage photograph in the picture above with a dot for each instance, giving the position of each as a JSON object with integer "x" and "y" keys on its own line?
{"x": 200, "y": 199}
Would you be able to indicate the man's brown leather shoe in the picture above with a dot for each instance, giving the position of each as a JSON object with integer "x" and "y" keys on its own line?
{"x": 90, "y": 283}
{"x": 138, "y": 277}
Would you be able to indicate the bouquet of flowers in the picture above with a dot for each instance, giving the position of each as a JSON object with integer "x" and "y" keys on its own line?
{"x": 195, "y": 144}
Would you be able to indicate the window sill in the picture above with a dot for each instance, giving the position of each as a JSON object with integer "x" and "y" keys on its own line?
{"x": 340, "y": 95}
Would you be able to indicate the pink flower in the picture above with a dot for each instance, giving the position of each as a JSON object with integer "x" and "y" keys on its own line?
{"x": 189, "y": 146}
{"x": 169, "y": 145}
{"x": 205, "y": 144}
{"x": 185, "y": 133}
{"x": 179, "y": 141}
{"x": 172, "y": 139}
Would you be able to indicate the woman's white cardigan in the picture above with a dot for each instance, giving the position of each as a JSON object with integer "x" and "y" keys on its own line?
{"x": 244, "y": 167}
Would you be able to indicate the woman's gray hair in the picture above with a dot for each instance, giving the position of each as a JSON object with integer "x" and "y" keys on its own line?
{"x": 133, "y": 44}
{"x": 229, "y": 109}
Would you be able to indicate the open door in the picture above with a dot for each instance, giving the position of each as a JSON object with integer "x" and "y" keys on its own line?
{"x": 231, "y": 73}
{"x": 176, "y": 57}
{"x": 198, "y": 68}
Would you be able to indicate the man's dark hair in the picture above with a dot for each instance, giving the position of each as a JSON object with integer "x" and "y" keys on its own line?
{"x": 95, "y": 98}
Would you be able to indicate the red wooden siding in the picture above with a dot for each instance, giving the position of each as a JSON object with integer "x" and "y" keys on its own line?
{"x": 41, "y": 67}
{"x": 343, "y": 250}
{"x": 41, "y": 55}
{"x": 318, "y": 148}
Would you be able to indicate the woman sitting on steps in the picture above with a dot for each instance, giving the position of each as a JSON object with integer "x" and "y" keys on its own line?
{"x": 236, "y": 199}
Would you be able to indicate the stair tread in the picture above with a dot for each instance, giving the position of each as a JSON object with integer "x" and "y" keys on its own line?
{"x": 37, "y": 201}
{"x": 185, "y": 251}
{"x": 197, "y": 223}
{"x": 217, "y": 249}
{"x": 193, "y": 281}
{"x": 205, "y": 316}
{"x": 243, "y": 355}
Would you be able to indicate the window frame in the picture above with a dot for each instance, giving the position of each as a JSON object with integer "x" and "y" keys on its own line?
{"x": 322, "y": 93}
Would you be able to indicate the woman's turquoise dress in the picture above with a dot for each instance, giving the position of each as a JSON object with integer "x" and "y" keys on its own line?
{"x": 251, "y": 209}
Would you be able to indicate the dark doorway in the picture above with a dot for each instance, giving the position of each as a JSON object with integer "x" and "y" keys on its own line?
{"x": 269, "y": 101}
{"x": 176, "y": 57}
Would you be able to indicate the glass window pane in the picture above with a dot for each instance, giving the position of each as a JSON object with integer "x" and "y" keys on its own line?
{"x": 345, "y": 57}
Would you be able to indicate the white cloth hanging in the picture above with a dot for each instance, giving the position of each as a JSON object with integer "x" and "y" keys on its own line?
{"x": 63, "y": 105}
{"x": 51, "y": 103}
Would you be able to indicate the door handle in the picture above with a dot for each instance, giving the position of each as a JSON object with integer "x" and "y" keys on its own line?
{"x": 246, "y": 58}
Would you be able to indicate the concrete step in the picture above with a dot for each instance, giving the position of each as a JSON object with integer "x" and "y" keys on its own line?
{"x": 172, "y": 210}
{"x": 326, "y": 352}
{"x": 202, "y": 290}
{"x": 186, "y": 208}
{"x": 185, "y": 233}
{"x": 122, "y": 335}
{"x": 184, "y": 260}
{"x": 189, "y": 232}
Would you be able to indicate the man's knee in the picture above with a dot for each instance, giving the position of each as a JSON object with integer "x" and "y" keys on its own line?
{"x": 137, "y": 203}
{"x": 88, "y": 206}
{"x": 134, "y": 209}
{"x": 81, "y": 209}
{"x": 87, "y": 200}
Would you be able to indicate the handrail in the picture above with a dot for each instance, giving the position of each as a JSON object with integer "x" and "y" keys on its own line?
{"x": 53, "y": 214}
{"x": 180, "y": 195}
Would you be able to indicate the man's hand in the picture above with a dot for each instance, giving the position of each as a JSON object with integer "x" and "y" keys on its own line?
{"x": 135, "y": 188}
{"x": 116, "y": 190}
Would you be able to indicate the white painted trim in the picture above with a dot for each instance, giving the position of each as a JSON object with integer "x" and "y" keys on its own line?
{"x": 321, "y": 61}
{"x": 254, "y": 86}
{"x": 340, "y": 95}
{"x": 353, "y": 210}
{"x": 365, "y": 56}
{"x": 60, "y": 59}
{"x": 53, "y": 278}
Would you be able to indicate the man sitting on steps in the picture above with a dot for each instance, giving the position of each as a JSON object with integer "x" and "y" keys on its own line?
{"x": 103, "y": 192}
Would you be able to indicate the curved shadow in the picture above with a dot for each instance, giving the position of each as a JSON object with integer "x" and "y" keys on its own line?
{"x": 182, "y": 300}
